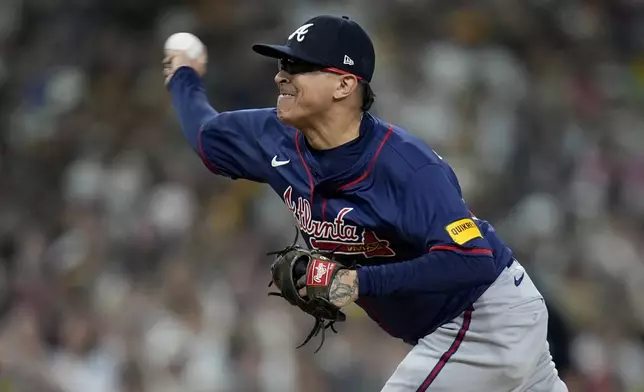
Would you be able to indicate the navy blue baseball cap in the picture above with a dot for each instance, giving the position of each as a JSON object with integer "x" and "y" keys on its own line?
{"x": 328, "y": 41}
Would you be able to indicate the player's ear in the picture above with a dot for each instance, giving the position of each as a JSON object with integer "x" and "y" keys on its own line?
{"x": 347, "y": 84}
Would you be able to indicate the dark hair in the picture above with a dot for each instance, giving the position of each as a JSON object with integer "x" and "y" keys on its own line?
{"x": 368, "y": 96}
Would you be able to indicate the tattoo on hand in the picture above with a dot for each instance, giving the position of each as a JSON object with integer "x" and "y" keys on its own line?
{"x": 340, "y": 292}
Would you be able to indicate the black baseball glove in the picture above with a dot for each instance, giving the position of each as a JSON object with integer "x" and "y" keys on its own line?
{"x": 296, "y": 267}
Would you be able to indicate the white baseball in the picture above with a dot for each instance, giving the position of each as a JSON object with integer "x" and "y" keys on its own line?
{"x": 186, "y": 42}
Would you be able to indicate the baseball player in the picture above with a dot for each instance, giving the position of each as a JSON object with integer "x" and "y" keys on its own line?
{"x": 427, "y": 271}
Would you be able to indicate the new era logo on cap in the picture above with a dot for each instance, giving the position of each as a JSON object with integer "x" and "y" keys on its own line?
{"x": 347, "y": 60}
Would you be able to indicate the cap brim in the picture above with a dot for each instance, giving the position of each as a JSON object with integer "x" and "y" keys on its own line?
{"x": 273, "y": 51}
{"x": 281, "y": 51}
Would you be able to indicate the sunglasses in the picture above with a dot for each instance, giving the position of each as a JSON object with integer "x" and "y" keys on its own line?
{"x": 296, "y": 67}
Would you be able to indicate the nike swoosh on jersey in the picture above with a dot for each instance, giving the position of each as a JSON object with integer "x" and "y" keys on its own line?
{"x": 276, "y": 163}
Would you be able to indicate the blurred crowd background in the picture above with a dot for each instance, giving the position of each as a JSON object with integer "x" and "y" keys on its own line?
{"x": 127, "y": 267}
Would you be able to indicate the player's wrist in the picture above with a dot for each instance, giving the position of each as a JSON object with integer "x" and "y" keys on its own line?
{"x": 183, "y": 74}
{"x": 365, "y": 283}
{"x": 344, "y": 287}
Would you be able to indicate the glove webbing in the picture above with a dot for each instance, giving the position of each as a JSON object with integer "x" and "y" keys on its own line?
{"x": 319, "y": 326}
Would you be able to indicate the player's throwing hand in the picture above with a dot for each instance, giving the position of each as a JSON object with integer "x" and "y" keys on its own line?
{"x": 184, "y": 50}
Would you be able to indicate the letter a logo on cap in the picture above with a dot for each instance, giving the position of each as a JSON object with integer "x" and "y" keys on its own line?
{"x": 300, "y": 33}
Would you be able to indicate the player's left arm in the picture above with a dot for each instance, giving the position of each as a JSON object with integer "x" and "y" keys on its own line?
{"x": 434, "y": 215}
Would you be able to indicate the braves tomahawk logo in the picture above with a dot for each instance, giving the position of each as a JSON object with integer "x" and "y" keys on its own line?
{"x": 336, "y": 235}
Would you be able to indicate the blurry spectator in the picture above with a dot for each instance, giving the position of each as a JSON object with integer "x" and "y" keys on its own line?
{"x": 187, "y": 345}
{"x": 81, "y": 362}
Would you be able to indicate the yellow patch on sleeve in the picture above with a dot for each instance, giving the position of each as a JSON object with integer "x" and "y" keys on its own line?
{"x": 463, "y": 230}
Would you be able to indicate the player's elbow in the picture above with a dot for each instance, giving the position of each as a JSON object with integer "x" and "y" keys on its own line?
{"x": 473, "y": 269}
{"x": 489, "y": 270}
{"x": 485, "y": 268}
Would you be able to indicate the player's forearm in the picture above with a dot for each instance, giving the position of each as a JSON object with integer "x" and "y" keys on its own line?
{"x": 437, "y": 271}
{"x": 190, "y": 103}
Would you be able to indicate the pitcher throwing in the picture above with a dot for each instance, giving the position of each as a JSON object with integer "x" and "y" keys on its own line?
{"x": 424, "y": 268}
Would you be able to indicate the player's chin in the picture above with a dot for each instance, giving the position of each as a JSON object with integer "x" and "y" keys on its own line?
{"x": 287, "y": 112}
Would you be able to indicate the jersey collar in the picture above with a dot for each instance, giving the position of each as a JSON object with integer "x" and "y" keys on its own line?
{"x": 374, "y": 135}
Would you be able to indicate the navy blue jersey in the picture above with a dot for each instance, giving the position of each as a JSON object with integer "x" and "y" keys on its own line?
{"x": 393, "y": 205}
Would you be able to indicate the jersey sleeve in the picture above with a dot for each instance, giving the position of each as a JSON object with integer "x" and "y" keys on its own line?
{"x": 229, "y": 143}
{"x": 435, "y": 216}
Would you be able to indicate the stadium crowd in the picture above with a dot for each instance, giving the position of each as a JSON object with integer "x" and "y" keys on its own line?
{"x": 127, "y": 267}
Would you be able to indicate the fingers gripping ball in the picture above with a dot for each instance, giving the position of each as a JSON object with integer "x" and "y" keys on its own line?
{"x": 185, "y": 42}
{"x": 183, "y": 50}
